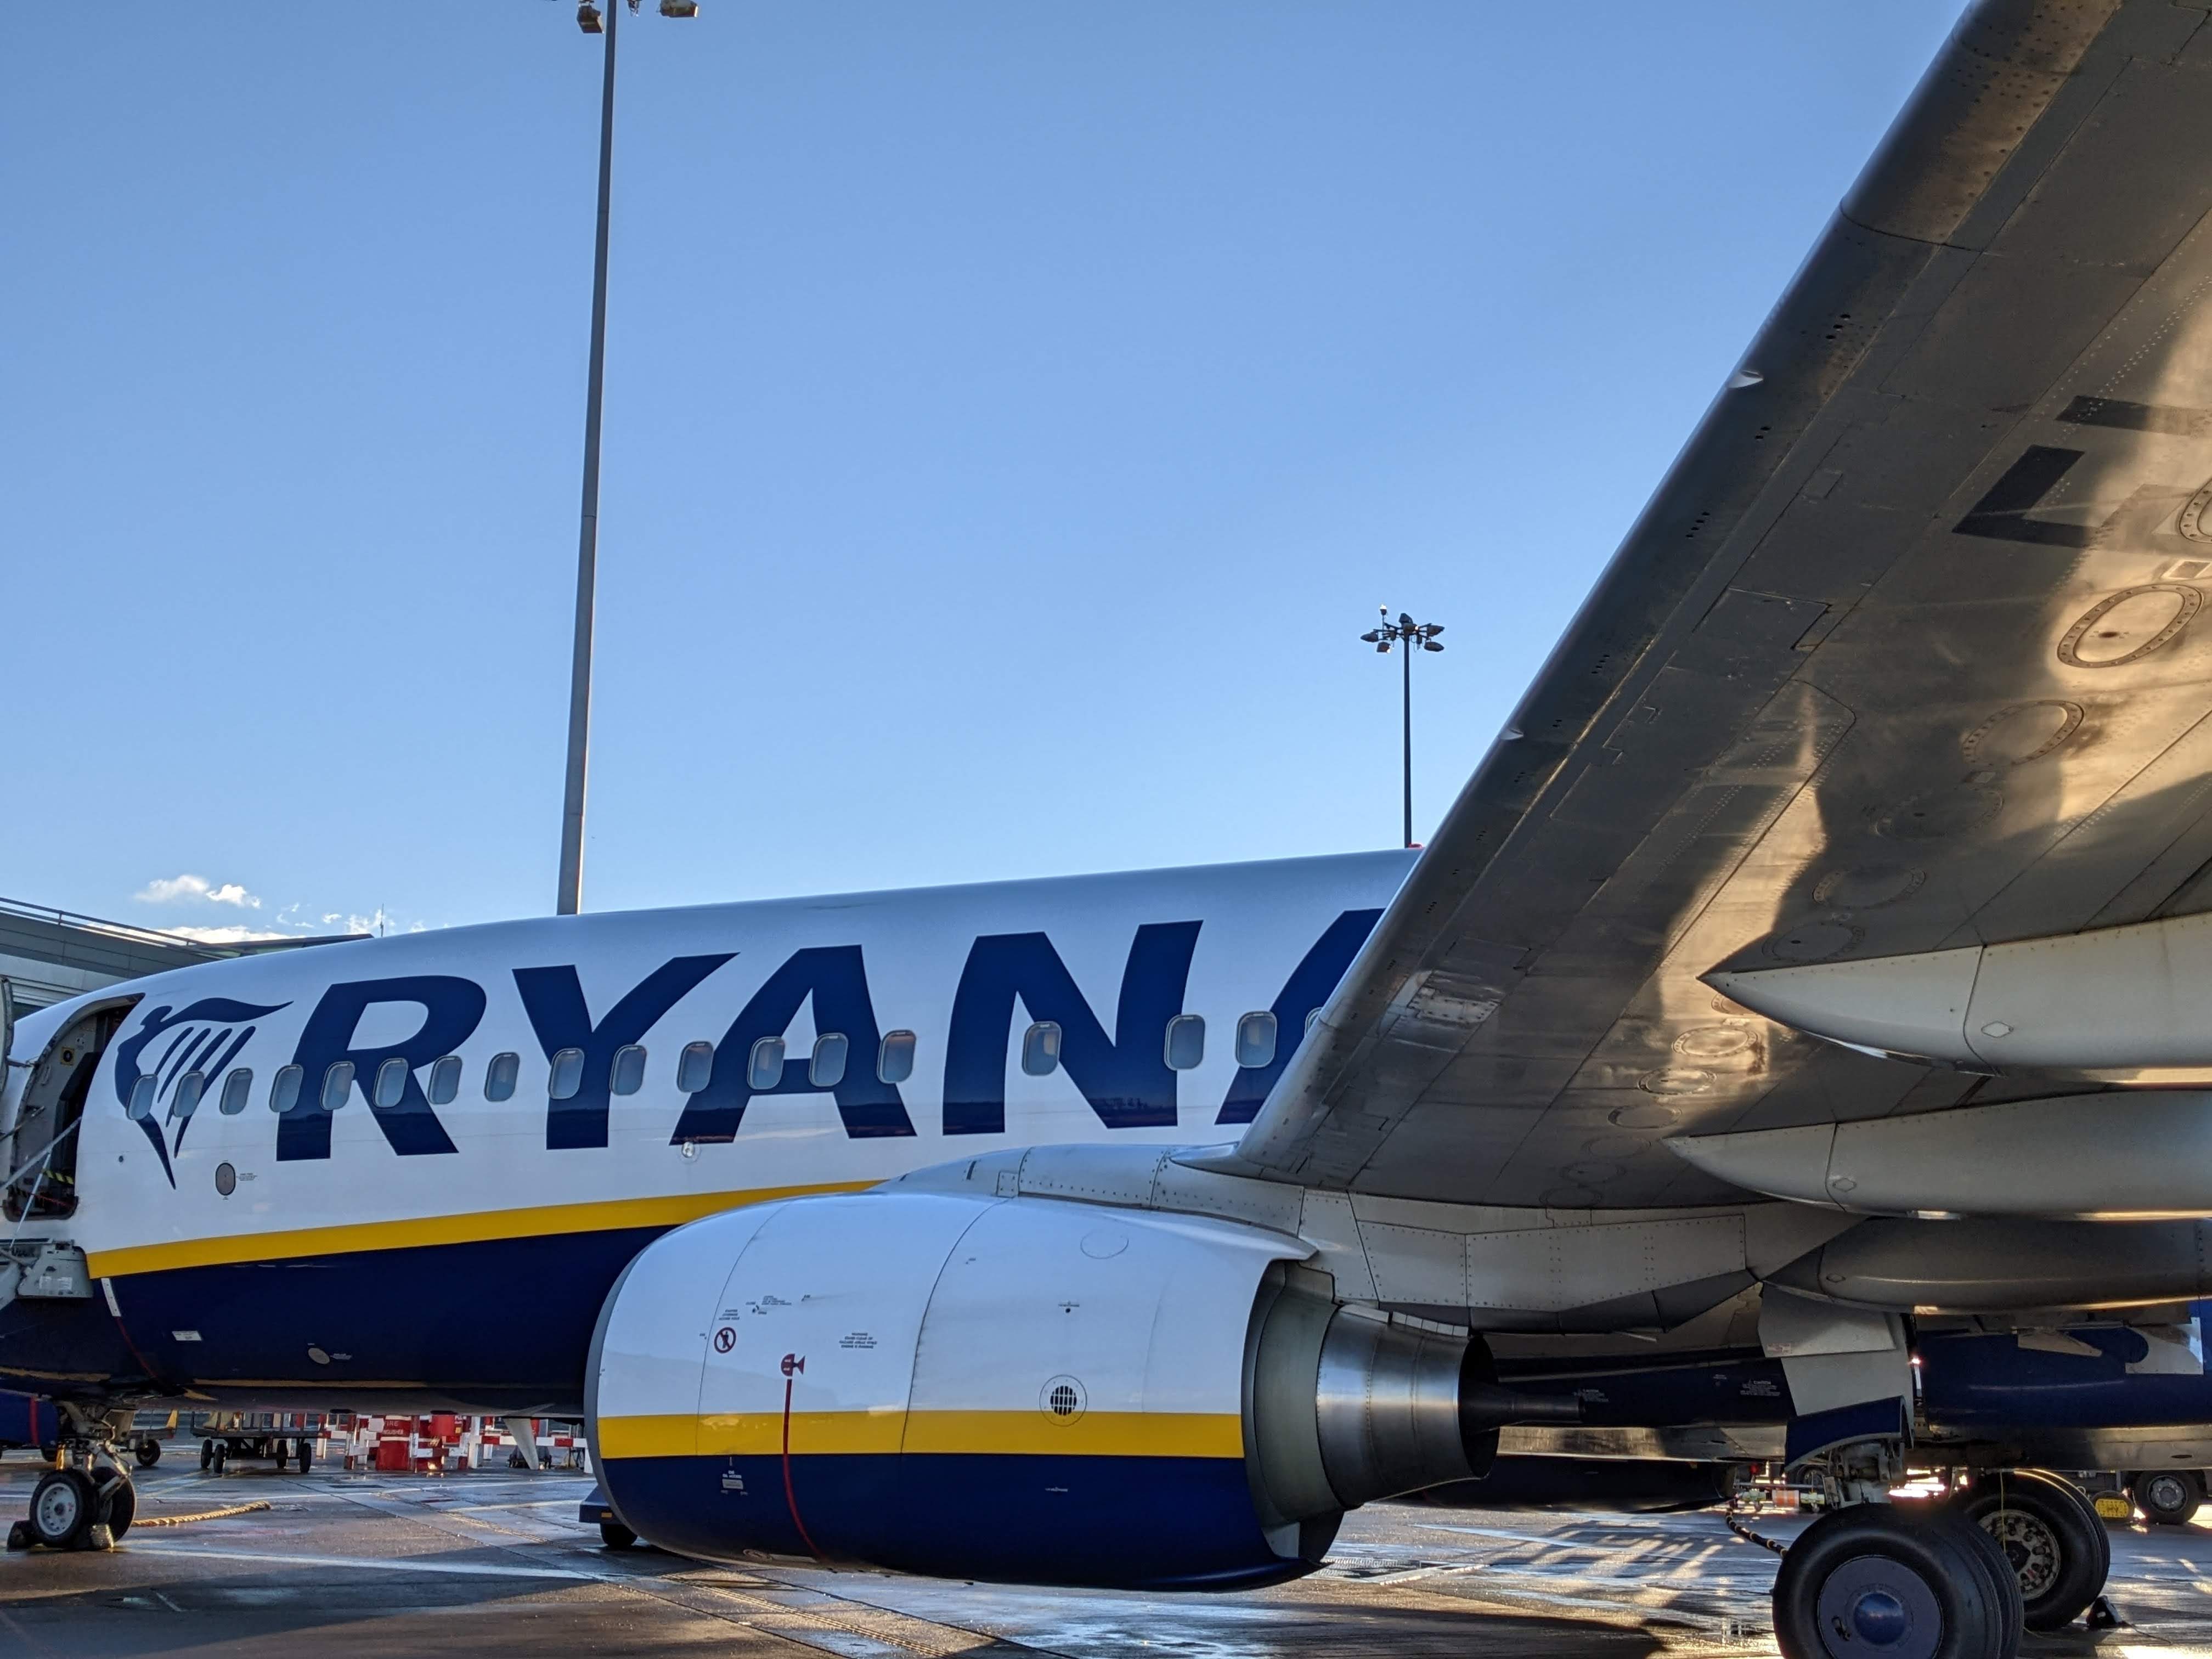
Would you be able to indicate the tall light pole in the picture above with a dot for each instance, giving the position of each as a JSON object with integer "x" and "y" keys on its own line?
{"x": 569, "y": 899}
{"x": 1414, "y": 637}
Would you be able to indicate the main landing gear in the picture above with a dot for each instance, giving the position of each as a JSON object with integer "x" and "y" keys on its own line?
{"x": 1958, "y": 1578}
{"x": 1899, "y": 1581}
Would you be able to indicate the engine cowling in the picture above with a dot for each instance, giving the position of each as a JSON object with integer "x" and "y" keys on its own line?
{"x": 1015, "y": 1389}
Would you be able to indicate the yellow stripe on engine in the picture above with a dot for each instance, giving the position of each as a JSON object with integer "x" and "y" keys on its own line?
{"x": 1030, "y": 1433}
{"x": 475, "y": 1227}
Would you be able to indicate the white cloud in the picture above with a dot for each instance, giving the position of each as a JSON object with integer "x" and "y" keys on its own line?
{"x": 231, "y": 935}
{"x": 169, "y": 890}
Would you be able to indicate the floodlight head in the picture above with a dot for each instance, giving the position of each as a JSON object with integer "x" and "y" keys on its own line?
{"x": 1404, "y": 621}
{"x": 1430, "y": 644}
{"x": 1384, "y": 646}
{"x": 679, "y": 8}
{"x": 1372, "y": 635}
{"x": 588, "y": 18}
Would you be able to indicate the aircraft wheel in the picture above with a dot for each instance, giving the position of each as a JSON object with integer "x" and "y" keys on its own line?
{"x": 2169, "y": 1497}
{"x": 149, "y": 1453}
{"x": 1872, "y": 1579}
{"x": 616, "y": 1536}
{"x": 2057, "y": 1546}
{"x": 119, "y": 1499}
{"x": 64, "y": 1506}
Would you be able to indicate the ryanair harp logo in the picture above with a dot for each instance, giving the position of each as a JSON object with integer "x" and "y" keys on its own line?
{"x": 203, "y": 1038}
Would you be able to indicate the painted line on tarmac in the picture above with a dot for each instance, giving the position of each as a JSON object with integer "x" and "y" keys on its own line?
{"x": 384, "y": 1564}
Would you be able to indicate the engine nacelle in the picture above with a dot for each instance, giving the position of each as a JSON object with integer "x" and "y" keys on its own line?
{"x": 1015, "y": 1389}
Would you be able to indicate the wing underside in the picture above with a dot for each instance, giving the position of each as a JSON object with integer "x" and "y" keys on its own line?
{"x": 1908, "y": 651}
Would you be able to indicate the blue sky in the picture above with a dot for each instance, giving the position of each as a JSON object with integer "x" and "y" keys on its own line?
{"x": 1015, "y": 411}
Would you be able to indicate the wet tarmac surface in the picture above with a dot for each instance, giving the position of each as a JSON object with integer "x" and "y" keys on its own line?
{"x": 368, "y": 1565}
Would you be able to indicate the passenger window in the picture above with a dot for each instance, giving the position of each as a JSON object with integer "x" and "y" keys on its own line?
{"x": 764, "y": 1068}
{"x": 566, "y": 1075}
{"x": 390, "y": 1084}
{"x": 694, "y": 1067}
{"x": 186, "y": 1101}
{"x": 1186, "y": 1045}
{"x": 1255, "y": 1040}
{"x": 1040, "y": 1048}
{"x": 235, "y": 1088}
{"x": 629, "y": 1070}
{"x": 500, "y": 1075}
{"x": 142, "y": 1098}
{"x": 826, "y": 1069}
{"x": 337, "y": 1083}
{"x": 445, "y": 1079}
{"x": 895, "y": 1059}
{"x": 284, "y": 1088}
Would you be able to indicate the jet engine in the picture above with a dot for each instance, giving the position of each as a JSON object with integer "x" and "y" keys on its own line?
{"x": 1017, "y": 1389}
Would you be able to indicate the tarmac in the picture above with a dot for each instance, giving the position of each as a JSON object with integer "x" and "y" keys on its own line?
{"x": 367, "y": 1565}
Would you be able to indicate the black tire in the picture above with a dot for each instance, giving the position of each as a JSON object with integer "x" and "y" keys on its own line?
{"x": 2057, "y": 1548}
{"x": 120, "y": 1505}
{"x": 616, "y": 1536}
{"x": 207, "y": 1454}
{"x": 2002, "y": 1583}
{"x": 149, "y": 1453}
{"x": 282, "y": 1457}
{"x": 2168, "y": 1498}
{"x": 221, "y": 1454}
{"x": 64, "y": 1506}
{"x": 1858, "y": 1575}
{"x": 304, "y": 1452}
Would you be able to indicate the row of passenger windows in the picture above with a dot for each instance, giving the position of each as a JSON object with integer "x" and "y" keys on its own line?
{"x": 1184, "y": 1050}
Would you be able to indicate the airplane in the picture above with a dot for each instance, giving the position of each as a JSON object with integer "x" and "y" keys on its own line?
{"x": 1810, "y": 957}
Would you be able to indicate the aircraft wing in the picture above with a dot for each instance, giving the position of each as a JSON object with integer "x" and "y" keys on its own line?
{"x": 1910, "y": 650}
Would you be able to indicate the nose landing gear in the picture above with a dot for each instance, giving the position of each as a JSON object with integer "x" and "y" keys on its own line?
{"x": 87, "y": 1502}
{"x": 81, "y": 1505}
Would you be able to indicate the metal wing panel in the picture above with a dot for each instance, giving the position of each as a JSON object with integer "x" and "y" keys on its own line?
{"x": 1905, "y": 652}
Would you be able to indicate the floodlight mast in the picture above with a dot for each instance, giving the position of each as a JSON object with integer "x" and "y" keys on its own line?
{"x": 1414, "y": 637}
{"x": 569, "y": 899}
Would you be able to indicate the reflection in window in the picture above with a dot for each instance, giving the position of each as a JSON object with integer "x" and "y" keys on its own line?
{"x": 186, "y": 1101}
{"x": 694, "y": 1067}
{"x": 337, "y": 1083}
{"x": 566, "y": 1075}
{"x": 1040, "y": 1048}
{"x": 765, "y": 1068}
{"x": 895, "y": 1059}
{"x": 141, "y": 1104}
{"x": 235, "y": 1088}
{"x": 284, "y": 1090}
{"x": 826, "y": 1069}
{"x": 628, "y": 1074}
{"x": 500, "y": 1076}
{"x": 1255, "y": 1040}
{"x": 390, "y": 1084}
{"x": 445, "y": 1079}
{"x": 1186, "y": 1044}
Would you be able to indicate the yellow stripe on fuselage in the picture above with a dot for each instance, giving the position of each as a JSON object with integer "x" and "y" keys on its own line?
{"x": 474, "y": 1227}
{"x": 1019, "y": 1433}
